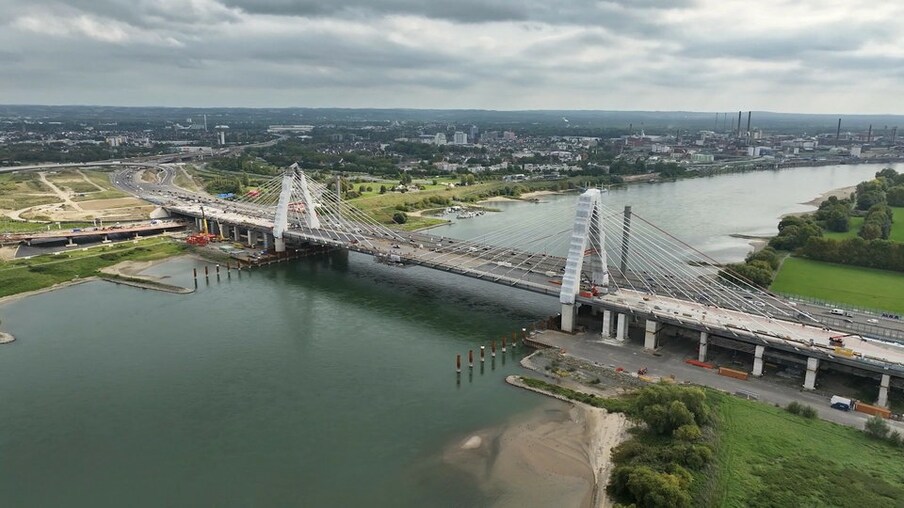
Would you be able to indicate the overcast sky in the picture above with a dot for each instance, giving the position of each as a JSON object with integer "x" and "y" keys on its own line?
{"x": 825, "y": 56}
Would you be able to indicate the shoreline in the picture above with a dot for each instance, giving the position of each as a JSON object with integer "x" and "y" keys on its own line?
{"x": 48, "y": 289}
{"x": 556, "y": 455}
{"x": 605, "y": 431}
{"x": 840, "y": 193}
{"x": 150, "y": 282}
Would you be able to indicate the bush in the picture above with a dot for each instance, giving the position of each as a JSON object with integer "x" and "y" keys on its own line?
{"x": 808, "y": 412}
{"x": 876, "y": 427}
{"x": 689, "y": 432}
{"x": 399, "y": 218}
{"x": 649, "y": 488}
{"x": 794, "y": 407}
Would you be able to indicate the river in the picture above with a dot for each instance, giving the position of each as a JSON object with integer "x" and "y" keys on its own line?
{"x": 703, "y": 212}
{"x": 324, "y": 382}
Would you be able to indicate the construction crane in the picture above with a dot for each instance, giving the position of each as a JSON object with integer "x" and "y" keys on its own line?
{"x": 204, "y": 237}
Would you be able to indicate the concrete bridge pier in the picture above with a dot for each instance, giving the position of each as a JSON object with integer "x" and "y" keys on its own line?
{"x": 607, "y": 324}
{"x": 252, "y": 238}
{"x": 222, "y": 233}
{"x": 883, "y": 390}
{"x": 621, "y": 327}
{"x": 651, "y": 335}
{"x": 235, "y": 233}
{"x": 568, "y": 312}
{"x": 810, "y": 378}
{"x": 279, "y": 244}
{"x": 758, "y": 361}
{"x": 704, "y": 345}
{"x": 266, "y": 238}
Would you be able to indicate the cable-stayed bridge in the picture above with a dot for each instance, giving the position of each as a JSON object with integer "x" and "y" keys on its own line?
{"x": 626, "y": 270}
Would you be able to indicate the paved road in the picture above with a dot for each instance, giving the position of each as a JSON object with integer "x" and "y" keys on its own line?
{"x": 632, "y": 357}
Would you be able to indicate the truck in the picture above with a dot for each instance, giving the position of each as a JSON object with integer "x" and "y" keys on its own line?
{"x": 842, "y": 403}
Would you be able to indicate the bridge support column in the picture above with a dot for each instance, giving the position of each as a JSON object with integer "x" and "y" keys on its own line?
{"x": 568, "y": 312}
{"x": 704, "y": 345}
{"x": 222, "y": 233}
{"x": 883, "y": 390}
{"x": 235, "y": 233}
{"x": 758, "y": 361}
{"x": 266, "y": 239}
{"x": 621, "y": 327}
{"x": 252, "y": 238}
{"x": 71, "y": 243}
{"x": 651, "y": 335}
{"x": 607, "y": 324}
{"x": 810, "y": 379}
{"x": 279, "y": 244}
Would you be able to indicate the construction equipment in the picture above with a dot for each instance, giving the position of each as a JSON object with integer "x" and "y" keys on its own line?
{"x": 204, "y": 237}
{"x": 838, "y": 340}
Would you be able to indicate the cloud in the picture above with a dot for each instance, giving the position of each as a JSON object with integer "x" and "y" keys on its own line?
{"x": 500, "y": 54}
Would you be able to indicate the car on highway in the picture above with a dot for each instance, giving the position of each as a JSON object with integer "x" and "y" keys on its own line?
{"x": 872, "y": 320}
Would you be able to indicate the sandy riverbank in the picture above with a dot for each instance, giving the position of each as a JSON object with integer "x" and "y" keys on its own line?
{"x": 496, "y": 199}
{"x": 557, "y": 455}
{"x": 539, "y": 194}
{"x": 6, "y": 338}
{"x": 841, "y": 193}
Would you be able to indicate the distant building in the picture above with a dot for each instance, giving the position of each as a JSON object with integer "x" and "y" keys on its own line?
{"x": 702, "y": 157}
{"x": 291, "y": 128}
{"x": 856, "y": 151}
{"x": 508, "y": 136}
{"x": 439, "y": 139}
{"x": 474, "y": 134}
{"x": 459, "y": 138}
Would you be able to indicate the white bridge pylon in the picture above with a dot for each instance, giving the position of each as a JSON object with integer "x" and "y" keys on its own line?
{"x": 281, "y": 220}
{"x": 587, "y": 240}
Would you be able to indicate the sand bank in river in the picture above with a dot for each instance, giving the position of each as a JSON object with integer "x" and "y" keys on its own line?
{"x": 538, "y": 194}
{"x": 841, "y": 193}
{"x": 557, "y": 455}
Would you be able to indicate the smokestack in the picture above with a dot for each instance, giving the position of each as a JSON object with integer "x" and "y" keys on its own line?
{"x": 749, "y": 113}
{"x": 894, "y": 134}
{"x": 739, "y": 124}
{"x": 869, "y": 133}
{"x": 678, "y": 136}
{"x": 838, "y": 131}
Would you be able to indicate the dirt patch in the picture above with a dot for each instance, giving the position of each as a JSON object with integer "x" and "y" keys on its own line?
{"x": 107, "y": 204}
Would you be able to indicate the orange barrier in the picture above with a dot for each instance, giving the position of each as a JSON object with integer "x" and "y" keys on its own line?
{"x": 737, "y": 374}
{"x": 872, "y": 410}
{"x": 698, "y": 363}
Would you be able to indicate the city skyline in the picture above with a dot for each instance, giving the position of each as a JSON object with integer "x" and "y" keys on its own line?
{"x": 802, "y": 57}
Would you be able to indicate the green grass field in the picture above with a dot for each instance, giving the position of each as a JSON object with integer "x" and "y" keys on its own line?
{"x": 44, "y": 271}
{"x": 769, "y": 457}
{"x": 856, "y": 222}
{"x": 897, "y": 228}
{"x": 864, "y": 287}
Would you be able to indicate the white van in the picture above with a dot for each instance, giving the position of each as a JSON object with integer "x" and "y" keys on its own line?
{"x": 837, "y": 312}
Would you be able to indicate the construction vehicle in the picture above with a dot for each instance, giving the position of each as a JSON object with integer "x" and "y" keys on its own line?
{"x": 838, "y": 340}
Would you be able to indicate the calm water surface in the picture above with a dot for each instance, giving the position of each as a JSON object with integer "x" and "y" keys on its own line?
{"x": 326, "y": 382}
